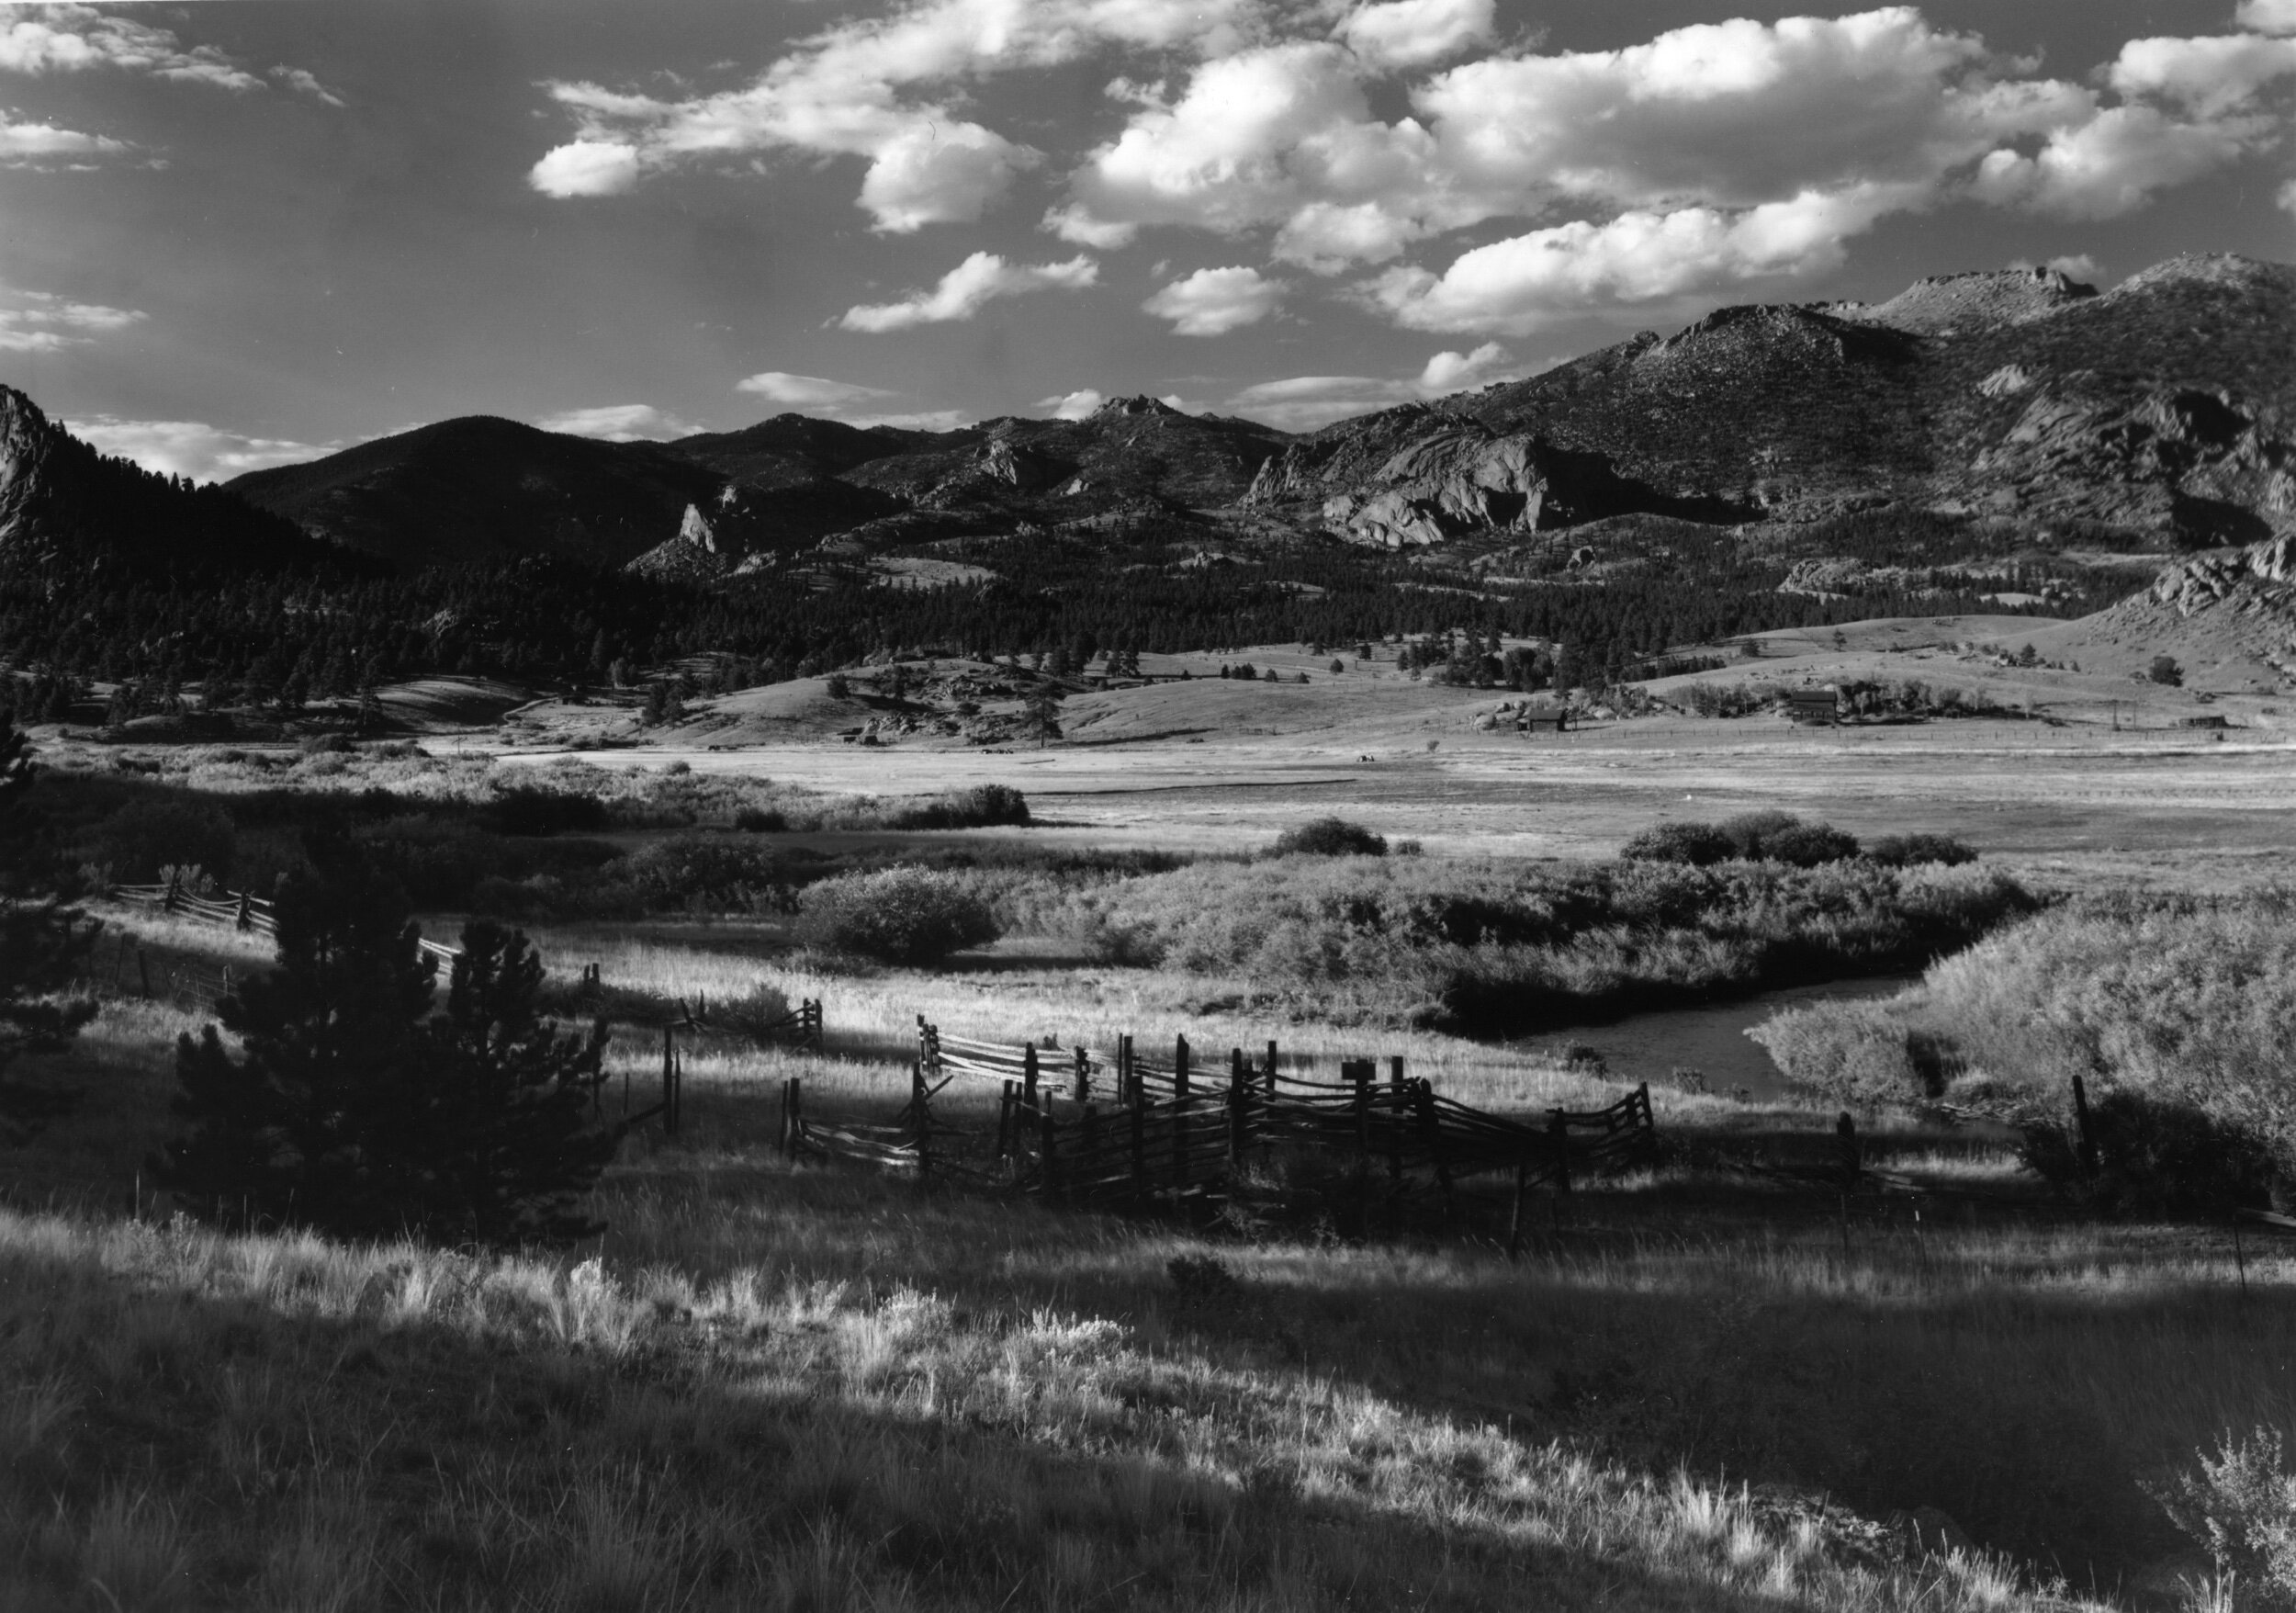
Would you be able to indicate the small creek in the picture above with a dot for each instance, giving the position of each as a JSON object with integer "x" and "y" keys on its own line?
{"x": 1709, "y": 1037}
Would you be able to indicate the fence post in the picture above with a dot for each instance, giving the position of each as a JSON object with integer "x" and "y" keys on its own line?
{"x": 1083, "y": 1075}
{"x": 813, "y": 1023}
{"x": 1029, "y": 1070}
{"x": 920, "y": 1104}
{"x": 1395, "y": 1136}
{"x": 1004, "y": 1120}
{"x": 1271, "y": 1068}
{"x": 1559, "y": 1140}
{"x": 1179, "y": 1117}
{"x": 668, "y": 1081}
{"x": 1140, "y": 1143}
{"x": 1047, "y": 1152}
{"x": 2080, "y": 1121}
{"x": 246, "y": 919}
{"x": 796, "y": 1116}
{"x": 1239, "y": 1094}
{"x": 1422, "y": 1100}
{"x": 1514, "y": 1216}
{"x": 174, "y": 889}
{"x": 1848, "y": 1157}
{"x": 143, "y": 972}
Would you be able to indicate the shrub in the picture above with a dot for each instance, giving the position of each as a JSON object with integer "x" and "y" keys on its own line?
{"x": 2155, "y": 1157}
{"x": 896, "y": 916}
{"x": 1906, "y": 850}
{"x": 140, "y": 839}
{"x": 1808, "y": 845}
{"x": 982, "y": 806}
{"x": 2165, "y": 670}
{"x": 1697, "y": 844}
{"x": 540, "y": 812}
{"x": 2241, "y": 1505}
{"x": 1330, "y": 837}
{"x": 762, "y": 820}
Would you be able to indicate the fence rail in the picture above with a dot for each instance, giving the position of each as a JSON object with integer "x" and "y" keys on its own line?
{"x": 1078, "y": 1125}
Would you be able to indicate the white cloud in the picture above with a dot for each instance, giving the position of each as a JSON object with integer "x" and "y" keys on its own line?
{"x": 306, "y": 83}
{"x": 1456, "y": 372}
{"x": 1415, "y": 33}
{"x": 40, "y": 321}
{"x": 1306, "y": 402}
{"x": 779, "y": 386}
{"x": 2286, "y": 196}
{"x": 1637, "y": 259}
{"x": 2267, "y": 16}
{"x": 24, "y": 144}
{"x": 192, "y": 449}
{"x": 850, "y": 91}
{"x": 964, "y": 291}
{"x": 1211, "y": 302}
{"x": 587, "y": 167}
{"x": 1703, "y": 161}
{"x": 2209, "y": 76}
{"x": 76, "y": 39}
{"x": 1071, "y": 405}
{"x": 2112, "y": 163}
{"x": 619, "y": 423}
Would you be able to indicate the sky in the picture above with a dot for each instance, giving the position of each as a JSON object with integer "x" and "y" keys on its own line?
{"x": 242, "y": 232}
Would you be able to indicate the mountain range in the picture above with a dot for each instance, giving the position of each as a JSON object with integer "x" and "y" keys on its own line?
{"x": 2160, "y": 414}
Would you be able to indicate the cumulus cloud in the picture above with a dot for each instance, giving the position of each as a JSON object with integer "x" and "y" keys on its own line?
{"x": 1415, "y": 33}
{"x": 1211, "y": 302}
{"x": 1456, "y": 372}
{"x": 1705, "y": 160}
{"x": 2112, "y": 163}
{"x": 964, "y": 291}
{"x": 191, "y": 448}
{"x": 30, "y": 144}
{"x": 587, "y": 167}
{"x": 779, "y": 386}
{"x": 76, "y": 39}
{"x": 2267, "y": 16}
{"x": 40, "y": 321}
{"x": 863, "y": 87}
{"x": 619, "y": 423}
{"x": 1536, "y": 280}
{"x": 1071, "y": 405}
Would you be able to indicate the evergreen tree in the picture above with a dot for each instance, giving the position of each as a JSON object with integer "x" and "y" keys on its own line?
{"x": 352, "y": 1111}
{"x": 42, "y": 946}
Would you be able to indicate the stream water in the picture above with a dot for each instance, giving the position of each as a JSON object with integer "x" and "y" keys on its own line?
{"x": 1709, "y": 1037}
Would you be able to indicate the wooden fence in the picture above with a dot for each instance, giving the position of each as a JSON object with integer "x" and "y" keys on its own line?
{"x": 1107, "y": 1127}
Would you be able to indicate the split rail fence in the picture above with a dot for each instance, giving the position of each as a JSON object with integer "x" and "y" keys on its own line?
{"x": 1114, "y": 1127}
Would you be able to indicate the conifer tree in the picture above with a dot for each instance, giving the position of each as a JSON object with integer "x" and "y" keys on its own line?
{"x": 42, "y": 944}
{"x": 351, "y": 1110}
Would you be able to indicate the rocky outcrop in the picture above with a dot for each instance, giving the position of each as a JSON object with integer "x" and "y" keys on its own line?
{"x": 58, "y": 496}
{"x": 2257, "y": 580}
{"x": 1952, "y": 304}
{"x": 2199, "y": 466}
{"x": 1416, "y": 476}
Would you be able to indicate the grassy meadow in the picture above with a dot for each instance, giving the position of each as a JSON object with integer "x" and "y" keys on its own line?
{"x": 801, "y": 1386}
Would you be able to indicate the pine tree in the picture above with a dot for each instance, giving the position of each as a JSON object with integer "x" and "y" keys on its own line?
{"x": 353, "y": 1111}
{"x": 43, "y": 945}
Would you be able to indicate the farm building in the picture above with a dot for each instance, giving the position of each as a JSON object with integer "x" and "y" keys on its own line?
{"x": 1813, "y": 706}
{"x": 1547, "y": 721}
{"x": 2209, "y": 721}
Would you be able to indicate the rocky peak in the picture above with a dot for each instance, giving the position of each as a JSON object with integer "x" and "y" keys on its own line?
{"x": 28, "y": 443}
{"x": 1138, "y": 404}
{"x": 1951, "y": 305}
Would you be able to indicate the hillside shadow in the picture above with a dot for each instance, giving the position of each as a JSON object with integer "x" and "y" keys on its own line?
{"x": 692, "y": 1467}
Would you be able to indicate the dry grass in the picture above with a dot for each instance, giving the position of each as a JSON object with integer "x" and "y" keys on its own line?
{"x": 782, "y": 1388}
